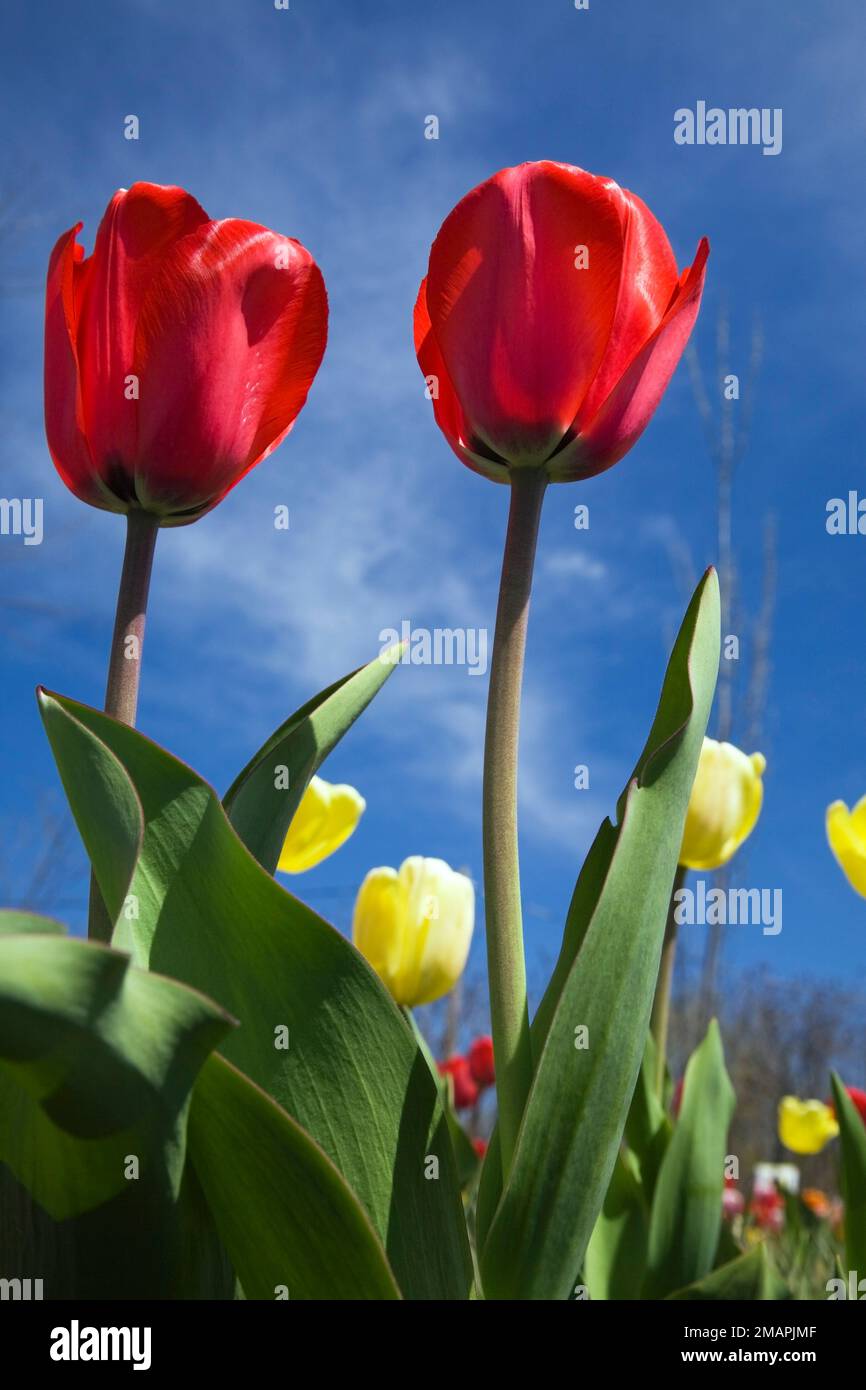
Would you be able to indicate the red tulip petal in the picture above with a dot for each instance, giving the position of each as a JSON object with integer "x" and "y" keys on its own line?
{"x": 521, "y": 330}
{"x": 64, "y": 416}
{"x": 446, "y": 407}
{"x": 209, "y": 413}
{"x": 139, "y": 227}
{"x": 631, "y": 404}
{"x": 648, "y": 281}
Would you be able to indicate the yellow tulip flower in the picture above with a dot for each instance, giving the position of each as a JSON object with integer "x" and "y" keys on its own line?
{"x": 415, "y": 926}
{"x": 724, "y": 805}
{"x": 846, "y": 832}
{"x": 324, "y": 820}
{"x": 806, "y": 1126}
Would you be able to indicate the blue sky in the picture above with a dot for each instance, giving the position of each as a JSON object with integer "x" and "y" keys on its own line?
{"x": 311, "y": 121}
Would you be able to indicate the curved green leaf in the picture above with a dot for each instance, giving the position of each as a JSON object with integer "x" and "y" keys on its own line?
{"x": 747, "y": 1279}
{"x": 687, "y": 1207}
{"x": 852, "y": 1137}
{"x": 97, "y": 1060}
{"x": 604, "y": 981}
{"x": 616, "y": 1254}
{"x": 319, "y": 1031}
{"x": 290, "y": 1222}
{"x": 261, "y": 810}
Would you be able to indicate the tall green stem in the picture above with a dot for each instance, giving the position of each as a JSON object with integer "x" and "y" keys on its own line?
{"x": 505, "y": 955}
{"x": 660, "y": 1021}
{"x": 124, "y": 662}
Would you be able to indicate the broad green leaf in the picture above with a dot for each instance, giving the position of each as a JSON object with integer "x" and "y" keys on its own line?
{"x": 616, "y": 1254}
{"x": 16, "y": 923}
{"x": 292, "y": 1225}
{"x": 320, "y": 1034}
{"x": 97, "y": 1060}
{"x": 648, "y": 1127}
{"x": 687, "y": 1207}
{"x": 257, "y": 806}
{"x": 604, "y": 981}
{"x": 852, "y": 1137}
{"x": 465, "y": 1155}
{"x": 749, "y": 1278}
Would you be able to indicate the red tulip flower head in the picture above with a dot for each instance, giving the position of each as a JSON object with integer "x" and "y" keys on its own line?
{"x": 858, "y": 1098}
{"x": 178, "y": 355}
{"x": 481, "y": 1062}
{"x": 464, "y": 1089}
{"x": 551, "y": 321}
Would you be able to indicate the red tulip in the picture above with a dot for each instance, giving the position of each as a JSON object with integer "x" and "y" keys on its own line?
{"x": 480, "y": 1147}
{"x": 551, "y": 321}
{"x": 481, "y": 1062}
{"x": 177, "y": 355}
{"x": 463, "y": 1086}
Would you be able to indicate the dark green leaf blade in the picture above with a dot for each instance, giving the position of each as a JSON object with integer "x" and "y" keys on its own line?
{"x": 687, "y": 1207}
{"x": 286, "y": 1215}
{"x": 852, "y": 1137}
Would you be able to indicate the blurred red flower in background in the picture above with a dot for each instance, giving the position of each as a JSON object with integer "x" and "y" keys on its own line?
{"x": 177, "y": 355}
{"x": 464, "y": 1088}
{"x": 481, "y": 1062}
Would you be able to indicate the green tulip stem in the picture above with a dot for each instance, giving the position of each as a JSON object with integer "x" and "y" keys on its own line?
{"x": 124, "y": 662}
{"x": 505, "y": 955}
{"x": 661, "y": 1013}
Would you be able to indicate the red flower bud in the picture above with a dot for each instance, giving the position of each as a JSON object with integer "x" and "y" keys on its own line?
{"x": 858, "y": 1098}
{"x": 463, "y": 1087}
{"x": 481, "y": 1062}
{"x": 480, "y": 1147}
{"x": 551, "y": 321}
{"x": 177, "y": 355}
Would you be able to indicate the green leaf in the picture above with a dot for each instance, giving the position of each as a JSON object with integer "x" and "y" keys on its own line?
{"x": 16, "y": 923}
{"x": 648, "y": 1127}
{"x": 97, "y": 1060}
{"x": 749, "y": 1278}
{"x": 616, "y": 1254}
{"x": 287, "y": 1217}
{"x": 852, "y": 1137}
{"x": 687, "y": 1207}
{"x": 260, "y": 813}
{"x": 604, "y": 980}
{"x": 200, "y": 908}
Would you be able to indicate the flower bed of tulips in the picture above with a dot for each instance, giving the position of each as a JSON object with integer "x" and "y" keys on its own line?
{"x": 217, "y": 1095}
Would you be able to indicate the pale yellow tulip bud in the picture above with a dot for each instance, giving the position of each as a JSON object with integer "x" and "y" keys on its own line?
{"x": 846, "y": 831}
{"x": 806, "y": 1126}
{"x": 415, "y": 927}
{"x": 324, "y": 820}
{"x": 724, "y": 805}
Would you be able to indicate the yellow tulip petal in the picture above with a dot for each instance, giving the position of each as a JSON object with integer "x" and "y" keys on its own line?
{"x": 724, "y": 805}
{"x": 806, "y": 1126}
{"x": 326, "y": 817}
{"x": 846, "y": 839}
{"x": 415, "y": 927}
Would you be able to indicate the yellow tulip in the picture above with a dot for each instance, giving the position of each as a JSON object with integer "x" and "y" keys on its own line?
{"x": 414, "y": 926}
{"x": 324, "y": 820}
{"x": 724, "y": 805}
{"x": 806, "y": 1126}
{"x": 846, "y": 831}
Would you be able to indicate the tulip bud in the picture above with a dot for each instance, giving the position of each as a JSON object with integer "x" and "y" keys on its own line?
{"x": 846, "y": 833}
{"x": 551, "y": 321}
{"x": 326, "y": 817}
{"x": 464, "y": 1091}
{"x": 481, "y": 1062}
{"x": 415, "y": 927}
{"x": 177, "y": 355}
{"x": 724, "y": 805}
{"x": 806, "y": 1126}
